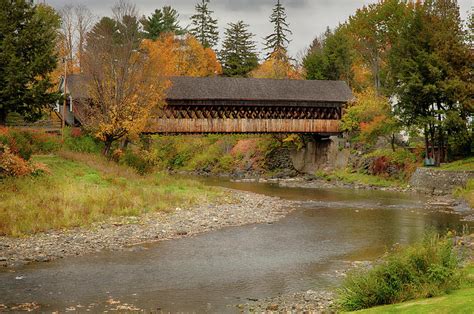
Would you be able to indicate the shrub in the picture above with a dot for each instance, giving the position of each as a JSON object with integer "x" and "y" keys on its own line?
{"x": 12, "y": 165}
{"x": 426, "y": 269}
{"x": 25, "y": 143}
{"x": 139, "y": 162}
{"x": 76, "y": 141}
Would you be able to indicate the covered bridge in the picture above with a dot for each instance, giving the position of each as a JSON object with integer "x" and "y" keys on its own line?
{"x": 245, "y": 105}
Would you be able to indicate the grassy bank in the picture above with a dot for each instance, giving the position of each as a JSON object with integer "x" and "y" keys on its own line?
{"x": 429, "y": 268}
{"x": 84, "y": 188}
{"x": 458, "y": 301}
{"x": 347, "y": 176}
{"x": 460, "y": 165}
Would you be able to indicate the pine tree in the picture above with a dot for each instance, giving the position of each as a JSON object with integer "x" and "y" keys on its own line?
{"x": 165, "y": 20}
{"x": 204, "y": 26}
{"x": 28, "y": 36}
{"x": 277, "y": 42}
{"x": 238, "y": 56}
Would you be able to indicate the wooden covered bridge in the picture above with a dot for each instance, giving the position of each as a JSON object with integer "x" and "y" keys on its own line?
{"x": 243, "y": 105}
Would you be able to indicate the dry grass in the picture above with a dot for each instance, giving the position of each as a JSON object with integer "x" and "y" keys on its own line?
{"x": 84, "y": 188}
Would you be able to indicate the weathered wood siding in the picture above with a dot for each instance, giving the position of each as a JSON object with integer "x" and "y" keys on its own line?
{"x": 243, "y": 126}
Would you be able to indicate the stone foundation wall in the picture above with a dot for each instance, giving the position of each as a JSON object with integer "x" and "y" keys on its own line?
{"x": 321, "y": 154}
{"x": 434, "y": 181}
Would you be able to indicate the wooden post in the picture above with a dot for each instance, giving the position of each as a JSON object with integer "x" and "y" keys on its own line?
{"x": 63, "y": 122}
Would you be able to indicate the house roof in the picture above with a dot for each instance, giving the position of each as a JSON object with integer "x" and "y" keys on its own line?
{"x": 241, "y": 89}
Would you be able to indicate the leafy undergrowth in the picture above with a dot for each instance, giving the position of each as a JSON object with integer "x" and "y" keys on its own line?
{"x": 460, "y": 165}
{"x": 86, "y": 188}
{"x": 426, "y": 269}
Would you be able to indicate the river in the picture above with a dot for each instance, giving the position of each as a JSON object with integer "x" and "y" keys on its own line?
{"x": 214, "y": 271}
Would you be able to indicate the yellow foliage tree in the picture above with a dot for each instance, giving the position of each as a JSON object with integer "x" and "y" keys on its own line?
{"x": 277, "y": 66}
{"x": 123, "y": 77}
{"x": 183, "y": 57}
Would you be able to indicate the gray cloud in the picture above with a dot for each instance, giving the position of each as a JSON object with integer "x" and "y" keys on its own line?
{"x": 307, "y": 18}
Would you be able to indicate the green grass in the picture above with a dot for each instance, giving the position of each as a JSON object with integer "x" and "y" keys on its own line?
{"x": 459, "y": 301}
{"x": 85, "y": 188}
{"x": 365, "y": 179}
{"x": 460, "y": 165}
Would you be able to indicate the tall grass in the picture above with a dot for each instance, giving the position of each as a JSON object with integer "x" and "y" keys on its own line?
{"x": 85, "y": 188}
{"x": 426, "y": 269}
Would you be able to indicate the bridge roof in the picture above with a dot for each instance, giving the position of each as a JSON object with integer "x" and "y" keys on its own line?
{"x": 224, "y": 88}
{"x": 241, "y": 89}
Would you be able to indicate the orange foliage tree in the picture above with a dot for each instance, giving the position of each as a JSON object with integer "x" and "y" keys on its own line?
{"x": 277, "y": 66}
{"x": 183, "y": 57}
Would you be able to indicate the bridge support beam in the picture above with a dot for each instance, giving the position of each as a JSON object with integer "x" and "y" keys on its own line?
{"x": 193, "y": 126}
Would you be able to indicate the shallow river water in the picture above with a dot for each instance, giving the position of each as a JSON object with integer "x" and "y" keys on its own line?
{"x": 213, "y": 271}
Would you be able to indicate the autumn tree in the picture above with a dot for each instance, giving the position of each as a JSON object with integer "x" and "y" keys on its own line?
{"x": 28, "y": 35}
{"x": 124, "y": 84}
{"x": 183, "y": 56}
{"x": 238, "y": 56}
{"x": 277, "y": 42}
{"x": 370, "y": 117}
{"x": 277, "y": 66}
{"x": 374, "y": 30}
{"x": 165, "y": 20}
{"x": 204, "y": 26}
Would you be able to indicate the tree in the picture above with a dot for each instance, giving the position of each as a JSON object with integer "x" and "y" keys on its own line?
{"x": 124, "y": 83}
{"x": 204, "y": 26}
{"x": 330, "y": 57}
{"x": 430, "y": 70}
{"x": 84, "y": 22}
{"x": 28, "y": 36}
{"x": 276, "y": 67}
{"x": 374, "y": 29}
{"x": 183, "y": 57}
{"x": 238, "y": 56}
{"x": 165, "y": 20}
{"x": 277, "y": 43}
{"x": 68, "y": 29}
{"x": 370, "y": 117}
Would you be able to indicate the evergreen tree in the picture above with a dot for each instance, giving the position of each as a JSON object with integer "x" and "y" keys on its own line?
{"x": 330, "y": 58}
{"x": 204, "y": 27}
{"x": 277, "y": 42}
{"x": 165, "y": 20}
{"x": 28, "y": 36}
{"x": 238, "y": 56}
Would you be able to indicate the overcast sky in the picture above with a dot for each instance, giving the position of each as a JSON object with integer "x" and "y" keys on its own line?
{"x": 307, "y": 18}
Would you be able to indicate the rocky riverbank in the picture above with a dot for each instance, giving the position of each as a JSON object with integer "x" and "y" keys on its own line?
{"x": 238, "y": 208}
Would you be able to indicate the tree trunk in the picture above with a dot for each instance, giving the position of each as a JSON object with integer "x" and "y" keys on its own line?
{"x": 124, "y": 143}
{"x": 392, "y": 142}
{"x": 3, "y": 117}
{"x": 107, "y": 147}
{"x": 432, "y": 136}
{"x": 427, "y": 144}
